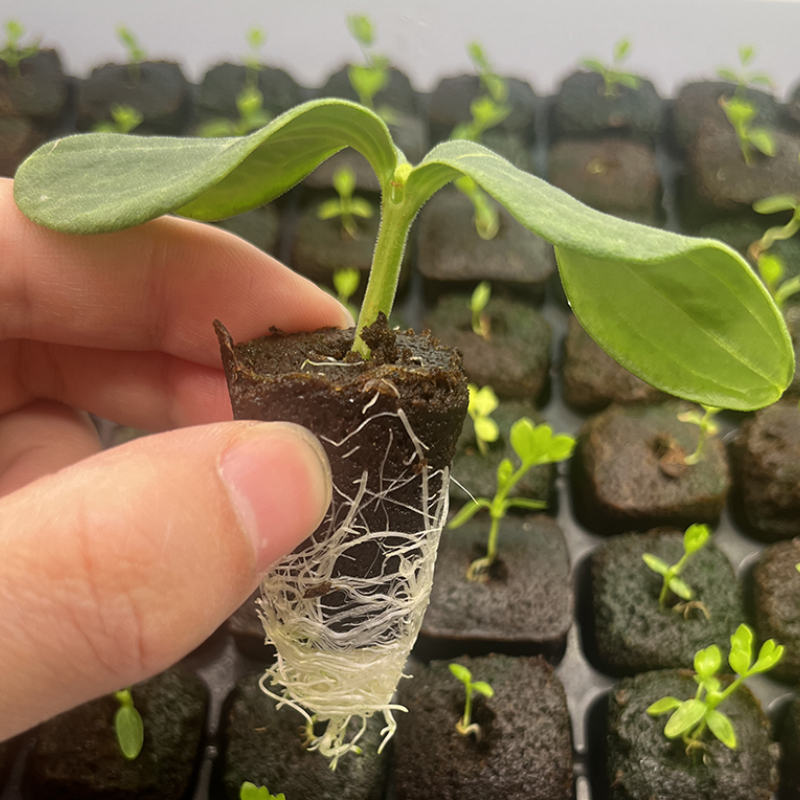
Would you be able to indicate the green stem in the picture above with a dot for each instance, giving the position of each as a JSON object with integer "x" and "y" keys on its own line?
{"x": 491, "y": 545}
{"x": 467, "y": 718}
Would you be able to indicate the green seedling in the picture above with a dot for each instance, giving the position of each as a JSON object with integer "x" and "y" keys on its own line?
{"x": 345, "y": 205}
{"x": 345, "y": 285}
{"x": 249, "y": 791}
{"x": 465, "y": 726}
{"x": 135, "y": 52}
{"x": 740, "y": 114}
{"x": 12, "y": 53}
{"x": 694, "y": 539}
{"x": 742, "y": 77}
{"x": 128, "y": 725}
{"x": 708, "y": 427}
{"x": 124, "y": 119}
{"x": 372, "y": 76}
{"x": 482, "y": 402}
{"x": 690, "y": 718}
{"x": 250, "y": 105}
{"x": 614, "y": 76}
{"x": 256, "y": 39}
{"x": 479, "y": 299}
{"x": 534, "y": 445}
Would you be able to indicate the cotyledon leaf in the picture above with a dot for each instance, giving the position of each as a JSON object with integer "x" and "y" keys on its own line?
{"x": 687, "y": 315}
{"x": 97, "y": 183}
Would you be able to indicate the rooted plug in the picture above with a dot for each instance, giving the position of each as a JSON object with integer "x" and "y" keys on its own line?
{"x": 534, "y": 445}
{"x": 346, "y": 206}
{"x": 465, "y": 726}
{"x": 128, "y": 725}
{"x": 482, "y": 402}
{"x": 613, "y": 76}
{"x": 135, "y": 52}
{"x": 690, "y": 718}
{"x": 12, "y": 53}
{"x": 249, "y": 791}
{"x": 124, "y": 120}
{"x": 481, "y": 324}
{"x": 707, "y": 426}
{"x": 693, "y": 540}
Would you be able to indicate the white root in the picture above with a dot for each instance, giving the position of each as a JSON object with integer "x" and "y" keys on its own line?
{"x": 338, "y": 663}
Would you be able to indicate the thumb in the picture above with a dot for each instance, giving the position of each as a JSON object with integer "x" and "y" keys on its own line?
{"x": 114, "y": 568}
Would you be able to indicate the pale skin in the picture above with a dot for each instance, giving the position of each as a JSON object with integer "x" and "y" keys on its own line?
{"x": 115, "y": 564}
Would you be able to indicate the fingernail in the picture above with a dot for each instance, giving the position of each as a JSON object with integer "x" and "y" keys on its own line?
{"x": 279, "y": 482}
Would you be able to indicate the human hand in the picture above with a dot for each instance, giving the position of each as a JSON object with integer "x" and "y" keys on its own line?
{"x": 115, "y": 564}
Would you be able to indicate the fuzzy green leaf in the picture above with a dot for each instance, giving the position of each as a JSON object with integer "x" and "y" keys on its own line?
{"x": 361, "y": 28}
{"x": 467, "y": 512}
{"x": 741, "y": 655}
{"x": 486, "y": 429}
{"x": 762, "y": 140}
{"x": 688, "y": 714}
{"x": 695, "y": 537}
{"x": 344, "y": 181}
{"x": 680, "y": 588}
{"x": 330, "y": 208}
{"x": 631, "y": 81}
{"x": 346, "y": 281}
{"x": 707, "y": 661}
{"x": 727, "y": 75}
{"x": 461, "y": 673}
{"x": 481, "y": 687}
{"x": 663, "y": 705}
{"x": 528, "y": 439}
{"x": 655, "y": 563}
{"x": 621, "y": 49}
{"x": 480, "y": 296}
{"x": 721, "y": 727}
{"x": 483, "y": 401}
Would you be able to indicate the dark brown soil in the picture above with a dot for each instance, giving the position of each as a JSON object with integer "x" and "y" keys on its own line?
{"x": 39, "y": 92}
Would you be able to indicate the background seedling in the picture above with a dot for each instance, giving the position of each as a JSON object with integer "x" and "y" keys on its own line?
{"x": 694, "y": 539}
{"x": 614, "y": 76}
{"x": 690, "y": 718}
{"x": 135, "y": 52}
{"x": 465, "y": 726}
{"x": 481, "y": 324}
{"x": 12, "y": 53}
{"x": 533, "y": 445}
{"x": 371, "y": 77}
{"x": 256, "y": 39}
{"x": 124, "y": 120}
{"x": 345, "y": 285}
{"x": 128, "y": 725}
{"x": 346, "y": 206}
{"x": 740, "y": 114}
{"x": 249, "y": 791}
{"x": 742, "y": 77}
{"x": 482, "y": 402}
{"x": 708, "y": 427}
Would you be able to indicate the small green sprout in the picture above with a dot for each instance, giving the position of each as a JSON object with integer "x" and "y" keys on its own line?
{"x": 345, "y": 283}
{"x": 690, "y": 718}
{"x": 371, "y": 77}
{"x": 12, "y": 53}
{"x": 740, "y": 114}
{"x": 124, "y": 120}
{"x": 478, "y": 301}
{"x": 614, "y": 76}
{"x": 743, "y": 78}
{"x": 534, "y": 445}
{"x": 128, "y": 725}
{"x": 346, "y": 206}
{"x": 694, "y": 539}
{"x": 249, "y": 791}
{"x": 465, "y": 726}
{"x": 482, "y": 402}
{"x": 708, "y": 427}
{"x": 256, "y": 39}
{"x": 135, "y": 52}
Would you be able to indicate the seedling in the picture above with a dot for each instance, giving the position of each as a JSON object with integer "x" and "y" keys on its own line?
{"x": 740, "y": 114}
{"x": 690, "y": 718}
{"x": 614, "y": 76}
{"x": 481, "y": 324}
{"x": 135, "y": 52}
{"x": 465, "y": 726}
{"x": 249, "y": 791}
{"x": 708, "y": 427}
{"x": 694, "y": 539}
{"x": 12, "y": 53}
{"x": 533, "y": 445}
{"x": 706, "y": 328}
{"x": 482, "y": 402}
{"x": 128, "y": 725}
{"x": 371, "y": 77}
{"x": 124, "y": 120}
{"x": 743, "y": 78}
{"x": 346, "y": 206}
{"x": 256, "y": 39}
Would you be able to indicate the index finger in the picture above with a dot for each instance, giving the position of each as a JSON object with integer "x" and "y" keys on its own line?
{"x": 158, "y": 286}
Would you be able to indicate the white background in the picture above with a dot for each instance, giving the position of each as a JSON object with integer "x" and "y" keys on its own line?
{"x": 539, "y": 40}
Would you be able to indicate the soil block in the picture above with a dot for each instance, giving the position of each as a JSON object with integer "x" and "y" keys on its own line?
{"x": 766, "y": 464}
{"x": 629, "y": 632}
{"x": 264, "y": 745}
{"x": 776, "y": 597}
{"x": 628, "y": 473}
{"x": 452, "y": 256}
{"x": 260, "y": 227}
{"x": 525, "y": 608}
{"x": 616, "y": 176}
{"x": 76, "y": 754}
{"x": 248, "y": 631}
{"x": 39, "y": 92}
{"x": 592, "y": 379}
{"x": 581, "y": 109}
{"x": 699, "y": 101}
{"x": 643, "y": 764}
{"x": 161, "y": 94}
{"x": 790, "y": 753}
{"x": 477, "y": 472}
{"x": 449, "y": 105}
{"x": 719, "y": 182}
{"x": 515, "y": 361}
{"x": 19, "y": 137}
{"x": 525, "y": 750}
